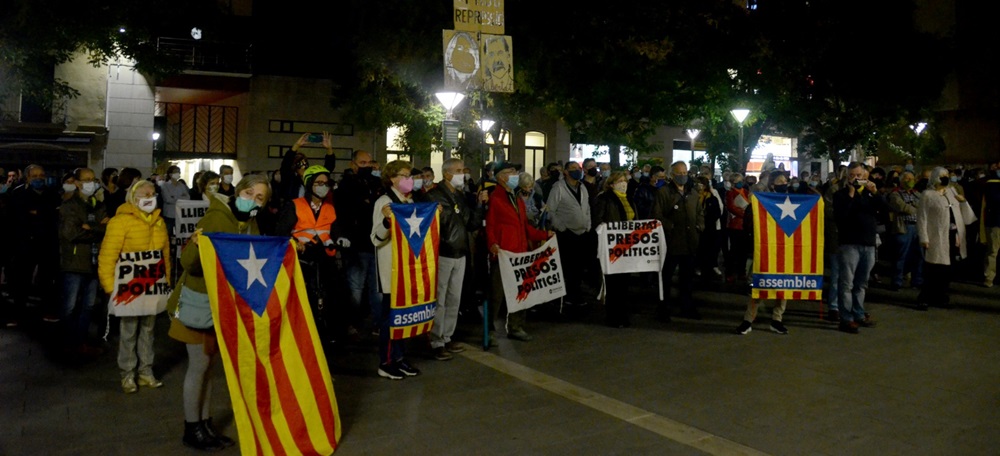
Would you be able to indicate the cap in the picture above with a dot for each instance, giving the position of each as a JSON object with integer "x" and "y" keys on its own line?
{"x": 311, "y": 173}
{"x": 500, "y": 166}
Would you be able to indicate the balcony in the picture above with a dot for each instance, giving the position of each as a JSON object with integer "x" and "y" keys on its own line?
{"x": 207, "y": 56}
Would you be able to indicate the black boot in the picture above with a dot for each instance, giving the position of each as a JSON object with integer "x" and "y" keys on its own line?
{"x": 225, "y": 441}
{"x": 195, "y": 436}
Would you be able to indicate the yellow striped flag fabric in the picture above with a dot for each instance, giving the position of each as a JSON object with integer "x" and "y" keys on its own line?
{"x": 278, "y": 377}
{"x": 788, "y": 246}
{"x": 415, "y": 239}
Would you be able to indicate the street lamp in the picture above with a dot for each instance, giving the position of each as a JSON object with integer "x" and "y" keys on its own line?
{"x": 449, "y": 127}
{"x": 692, "y": 133}
{"x": 485, "y": 125}
{"x": 449, "y": 100}
{"x": 740, "y": 115}
{"x": 919, "y": 127}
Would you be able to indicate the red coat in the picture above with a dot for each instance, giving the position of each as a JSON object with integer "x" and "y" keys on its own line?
{"x": 507, "y": 227}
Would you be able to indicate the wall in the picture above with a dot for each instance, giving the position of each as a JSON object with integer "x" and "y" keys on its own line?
{"x": 129, "y": 119}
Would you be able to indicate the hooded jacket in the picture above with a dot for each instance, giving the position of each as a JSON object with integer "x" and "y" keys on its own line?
{"x": 131, "y": 230}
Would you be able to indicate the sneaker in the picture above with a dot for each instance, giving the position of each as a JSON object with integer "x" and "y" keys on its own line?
{"x": 779, "y": 328}
{"x": 50, "y": 318}
{"x": 150, "y": 381}
{"x": 390, "y": 371}
{"x": 987, "y": 284}
{"x": 407, "y": 369}
{"x": 128, "y": 385}
{"x": 868, "y": 322}
{"x": 454, "y": 347}
{"x": 520, "y": 335}
{"x": 442, "y": 354}
{"x": 744, "y": 328}
{"x": 850, "y": 327}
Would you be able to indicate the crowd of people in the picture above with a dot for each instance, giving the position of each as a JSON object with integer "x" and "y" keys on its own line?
{"x": 908, "y": 227}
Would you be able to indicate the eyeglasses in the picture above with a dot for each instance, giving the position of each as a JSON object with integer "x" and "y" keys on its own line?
{"x": 321, "y": 184}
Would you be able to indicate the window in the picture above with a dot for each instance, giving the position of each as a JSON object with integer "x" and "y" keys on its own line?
{"x": 504, "y": 139}
{"x": 534, "y": 152}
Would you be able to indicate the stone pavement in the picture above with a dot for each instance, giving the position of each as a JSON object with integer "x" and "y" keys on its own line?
{"x": 921, "y": 383}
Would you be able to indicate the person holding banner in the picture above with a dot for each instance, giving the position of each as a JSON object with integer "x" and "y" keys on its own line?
{"x": 138, "y": 227}
{"x": 779, "y": 184}
{"x": 399, "y": 190}
{"x": 679, "y": 208}
{"x": 613, "y": 205}
{"x": 235, "y": 215}
{"x": 507, "y": 228}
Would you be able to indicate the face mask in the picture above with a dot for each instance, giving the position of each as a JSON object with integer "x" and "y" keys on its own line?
{"x": 795, "y": 186}
{"x": 212, "y": 189}
{"x": 621, "y": 187}
{"x": 783, "y": 188}
{"x": 908, "y": 168}
{"x": 322, "y": 191}
{"x": 592, "y": 172}
{"x": 660, "y": 183}
{"x": 458, "y": 181}
{"x": 727, "y": 185}
{"x": 945, "y": 181}
{"x": 228, "y": 178}
{"x": 813, "y": 183}
{"x": 159, "y": 183}
{"x": 681, "y": 180}
{"x": 576, "y": 175}
{"x": 418, "y": 184}
{"x": 738, "y": 184}
{"x": 954, "y": 178}
{"x": 38, "y": 184}
{"x": 405, "y": 185}
{"x": 606, "y": 174}
{"x": 147, "y": 205}
{"x": 245, "y": 205}
{"x": 89, "y": 188}
{"x": 67, "y": 188}
{"x": 376, "y": 173}
{"x": 513, "y": 180}
{"x": 645, "y": 174}
{"x": 175, "y": 177}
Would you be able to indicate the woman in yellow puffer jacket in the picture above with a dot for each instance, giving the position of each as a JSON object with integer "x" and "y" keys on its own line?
{"x": 136, "y": 227}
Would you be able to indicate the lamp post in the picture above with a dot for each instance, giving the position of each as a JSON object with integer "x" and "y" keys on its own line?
{"x": 449, "y": 127}
{"x": 485, "y": 125}
{"x": 740, "y": 115}
{"x": 693, "y": 133}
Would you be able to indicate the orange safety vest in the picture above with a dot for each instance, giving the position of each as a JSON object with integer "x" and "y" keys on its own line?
{"x": 307, "y": 228}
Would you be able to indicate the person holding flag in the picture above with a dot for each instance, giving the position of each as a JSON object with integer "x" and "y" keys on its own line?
{"x": 312, "y": 222}
{"x": 779, "y": 184}
{"x": 507, "y": 228}
{"x": 235, "y": 215}
{"x": 399, "y": 190}
{"x": 137, "y": 227}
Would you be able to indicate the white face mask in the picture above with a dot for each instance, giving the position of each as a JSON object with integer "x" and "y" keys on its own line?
{"x": 321, "y": 191}
{"x": 621, "y": 187}
{"x": 69, "y": 188}
{"x": 175, "y": 177}
{"x": 418, "y": 184}
{"x": 228, "y": 179}
{"x": 89, "y": 188}
{"x": 212, "y": 188}
{"x": 146, "y": 205}
{"x": 458, "y": 181}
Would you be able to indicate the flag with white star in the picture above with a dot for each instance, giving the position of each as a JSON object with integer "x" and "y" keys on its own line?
{"x": 279, "y": 380}
{"x": 788, "y": 246}
{"x": 415, "y": 237}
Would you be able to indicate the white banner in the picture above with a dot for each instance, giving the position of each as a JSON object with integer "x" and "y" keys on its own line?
{"x": 632, "y": 246}
{"x": 532, "y": 278}
{"x": 189, "y": 212}
{"x": 141, "y": 286}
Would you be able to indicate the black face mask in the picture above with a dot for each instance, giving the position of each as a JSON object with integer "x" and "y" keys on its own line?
{"x": 592, "y": 172}
{"x": 781, "y": 188}
{"x": 365, "y": 172}
{"x": 945, "y": 180}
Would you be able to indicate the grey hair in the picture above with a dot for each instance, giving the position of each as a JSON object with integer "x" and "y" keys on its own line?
{"x": 452, "y": 162}
{"x": 526, "y": 180}
{"x": 936, "y": 173}
{"x": 250, "y": 180}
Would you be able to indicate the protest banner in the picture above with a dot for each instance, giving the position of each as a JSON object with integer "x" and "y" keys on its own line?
{"x": 189, "y": 212}
{"x": 788, "y": 246}
{"x": 632, "y": 246}
{"x": 141, "y": 286}
{"x": 533, "y": 277}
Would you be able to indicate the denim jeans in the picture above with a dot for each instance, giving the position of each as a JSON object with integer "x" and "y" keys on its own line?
{"x": 361, "y": 275}
{"x": 833, "y": 282}
{"x": 909, "y": 257}
{"x": 856, "y": 265}
{"x": 80, "y": 294}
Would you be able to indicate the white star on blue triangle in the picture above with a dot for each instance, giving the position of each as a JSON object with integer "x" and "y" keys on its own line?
{"x": 788, "y": 210}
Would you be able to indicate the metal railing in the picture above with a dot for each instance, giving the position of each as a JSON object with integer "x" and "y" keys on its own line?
{"x": 207, "y": 55}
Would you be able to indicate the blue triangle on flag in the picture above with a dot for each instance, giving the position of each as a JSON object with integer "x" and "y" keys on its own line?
{"x": 788, "y": 209}
{"x": 251, "y": 264}
{"x": 415, "y": 222}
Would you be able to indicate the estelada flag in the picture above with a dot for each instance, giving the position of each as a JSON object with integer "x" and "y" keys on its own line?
{"x": 415, "y": 239}
{"x": 278, "y": 377}
{"x": 788, "y": 246}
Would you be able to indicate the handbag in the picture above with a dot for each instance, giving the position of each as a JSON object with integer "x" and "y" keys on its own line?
{"x": 194, "y": 309}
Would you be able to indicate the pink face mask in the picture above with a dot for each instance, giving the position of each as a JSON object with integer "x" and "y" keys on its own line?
{"x": 405, "y": 185}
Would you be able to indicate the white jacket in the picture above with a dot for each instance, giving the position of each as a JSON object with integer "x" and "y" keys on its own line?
{"x": 381, "y": 237}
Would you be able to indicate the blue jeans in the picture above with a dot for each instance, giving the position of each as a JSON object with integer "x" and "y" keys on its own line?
{"x": 833, "y": 282}
{"x": 856, "y": 265}
{"x": 79, "y": 293}
{"x": 362, "y": 275}
{"x": 909, "y": 257}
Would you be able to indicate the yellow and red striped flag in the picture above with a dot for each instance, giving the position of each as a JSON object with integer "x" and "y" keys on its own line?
{"x": 415, "y": 239}
{"x": 278, "y": 377}
{"x": 788, "y": 246}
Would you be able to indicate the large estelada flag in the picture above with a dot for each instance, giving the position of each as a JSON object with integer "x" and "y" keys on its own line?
{"x": 788, "y": 246}
{"x": 278, "y": 377}
{"x": 415, "y": 239}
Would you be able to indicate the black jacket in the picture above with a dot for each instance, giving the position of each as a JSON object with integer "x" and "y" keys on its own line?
{"x": 857, "y": 217}
{"x": 608, "y": 207}
{"x": 355, "y": 197}
{"x": 457, "y": 220}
